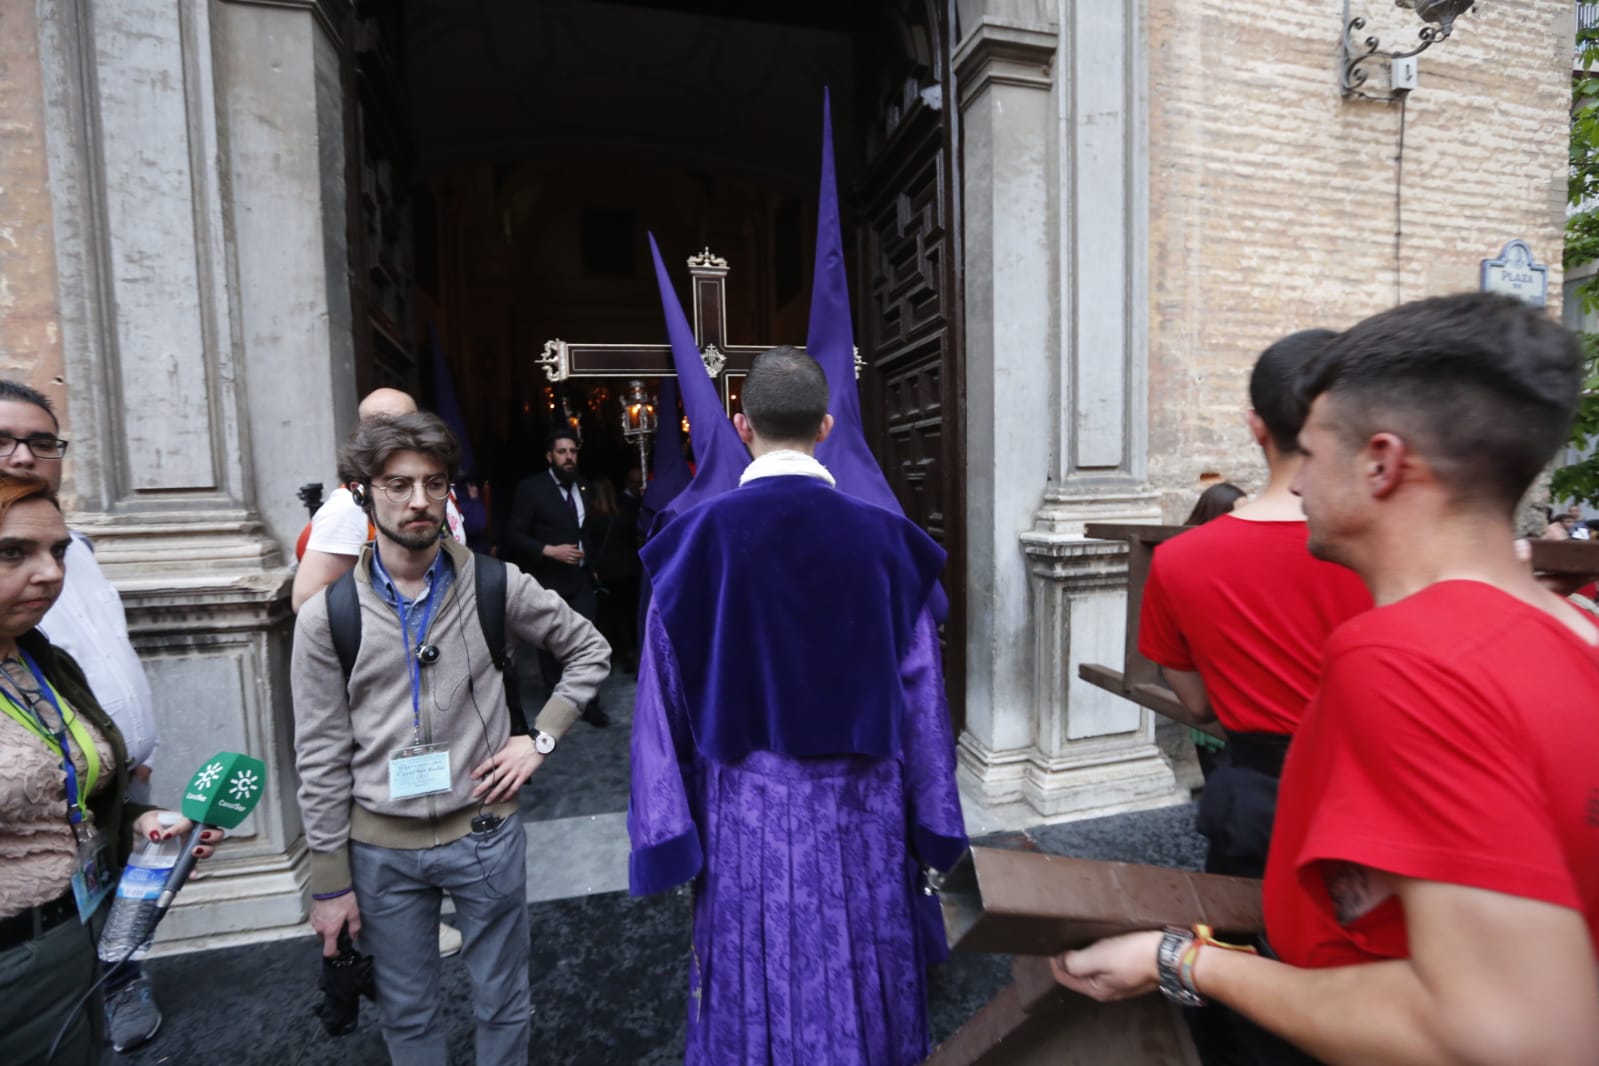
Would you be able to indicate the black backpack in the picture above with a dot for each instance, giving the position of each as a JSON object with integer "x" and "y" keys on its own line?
{"x": 488, "y": 579}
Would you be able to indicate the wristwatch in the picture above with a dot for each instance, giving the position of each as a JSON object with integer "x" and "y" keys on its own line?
{"x": 543, "y": 743}
{"x": 1175, "y": 942}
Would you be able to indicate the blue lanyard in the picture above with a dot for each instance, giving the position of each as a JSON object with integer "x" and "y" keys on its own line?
{"x": 62, "y": 745}
{"x": 435, "y": 592}
{"x": 411, "y": 651}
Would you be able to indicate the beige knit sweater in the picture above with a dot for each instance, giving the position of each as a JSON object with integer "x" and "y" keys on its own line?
{"x": 343, "y": 741}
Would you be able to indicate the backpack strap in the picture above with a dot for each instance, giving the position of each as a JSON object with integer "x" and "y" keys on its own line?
{"x": 344, "y": 621}
{"x": 489, "y": 581}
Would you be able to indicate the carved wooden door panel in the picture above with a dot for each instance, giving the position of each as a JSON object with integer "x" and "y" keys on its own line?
{"x": 910, "y": 310}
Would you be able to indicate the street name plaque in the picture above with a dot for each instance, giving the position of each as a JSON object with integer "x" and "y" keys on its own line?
{"x": 1516, "y": 274}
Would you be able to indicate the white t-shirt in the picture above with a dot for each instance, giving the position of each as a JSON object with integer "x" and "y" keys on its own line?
{"x": 339, "y": 526}
{"x": 89, "y": 624}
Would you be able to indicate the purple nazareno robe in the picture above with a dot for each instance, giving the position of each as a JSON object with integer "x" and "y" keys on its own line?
{"x": 812, "y": 932}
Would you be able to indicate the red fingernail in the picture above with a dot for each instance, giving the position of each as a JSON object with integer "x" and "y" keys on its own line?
{"x": 155, "y": 834}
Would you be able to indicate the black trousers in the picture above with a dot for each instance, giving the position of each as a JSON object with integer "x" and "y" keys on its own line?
{"x": 1224, "y": 1037}
{"x": 1236, "y": 815}
{"x": 619, "y": 618}
{"x": 586, "y": 602}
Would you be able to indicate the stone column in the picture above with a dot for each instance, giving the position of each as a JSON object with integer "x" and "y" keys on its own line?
{"x": 196, "y": 167}
{"x": 1052, "y": 99}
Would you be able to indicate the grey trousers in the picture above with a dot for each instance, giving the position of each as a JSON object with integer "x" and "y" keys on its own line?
{"x": 399, "y": 892}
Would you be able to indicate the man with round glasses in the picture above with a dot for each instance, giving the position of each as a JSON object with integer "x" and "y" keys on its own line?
{"x": 89, "y": 623}
{"x": 409, "y": 769}
{"x": 339, "y": 529}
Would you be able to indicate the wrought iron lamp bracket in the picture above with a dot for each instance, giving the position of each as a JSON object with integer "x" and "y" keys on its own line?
{"x": 1354, "y": 56}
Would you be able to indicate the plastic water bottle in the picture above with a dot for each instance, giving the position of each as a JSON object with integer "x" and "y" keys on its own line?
{"x": 130, "y": 925}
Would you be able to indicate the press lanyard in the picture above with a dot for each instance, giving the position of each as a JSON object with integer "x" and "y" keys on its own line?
{"x": 411, "y": 650}
{"x": 24, "y": 714}
{"x": 434, "y": 575}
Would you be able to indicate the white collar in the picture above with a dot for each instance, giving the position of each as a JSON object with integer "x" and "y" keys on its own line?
{"x": 786, "y": 462}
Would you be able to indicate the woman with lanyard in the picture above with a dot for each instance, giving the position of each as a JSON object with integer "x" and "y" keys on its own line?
{"x": 65, "y": 825}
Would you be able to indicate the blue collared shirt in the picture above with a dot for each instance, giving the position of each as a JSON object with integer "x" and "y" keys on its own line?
{"x": 436, "y": 582}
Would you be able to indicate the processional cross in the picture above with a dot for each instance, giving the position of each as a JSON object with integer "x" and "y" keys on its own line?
{"x": 724, "y": 361}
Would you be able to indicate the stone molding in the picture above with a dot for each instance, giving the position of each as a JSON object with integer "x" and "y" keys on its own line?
{"x": 1002, "y": 52}
{"x": 1061, "y": 517}
{"x": 149, "y": 323}
{"x": 331, "y": 15}
{"x": 1103, "y": 247}
{"x": 1076, "y": 563}
{"x": 1018, "y": 786}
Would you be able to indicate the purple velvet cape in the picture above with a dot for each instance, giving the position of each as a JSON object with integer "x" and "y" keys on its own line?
{"x": 811, "y": 932}
{"x": 780, "y": 564}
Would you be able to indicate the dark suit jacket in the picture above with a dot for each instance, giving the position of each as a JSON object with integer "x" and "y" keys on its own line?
{"x": 540, "y": 516}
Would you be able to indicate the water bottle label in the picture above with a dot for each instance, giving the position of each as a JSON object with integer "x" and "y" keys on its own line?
{"x": 142, "y": 882}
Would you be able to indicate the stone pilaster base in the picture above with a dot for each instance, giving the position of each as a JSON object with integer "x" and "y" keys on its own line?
{"x": 208, "y": 612}
{"x": 1092, "y": 752}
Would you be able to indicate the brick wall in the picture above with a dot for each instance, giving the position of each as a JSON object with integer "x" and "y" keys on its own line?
{"x": 30, "y": 332}
{"x": 1272, "y": 199}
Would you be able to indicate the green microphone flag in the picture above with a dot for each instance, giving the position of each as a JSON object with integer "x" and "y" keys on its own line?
{"x": 225, "y": 790}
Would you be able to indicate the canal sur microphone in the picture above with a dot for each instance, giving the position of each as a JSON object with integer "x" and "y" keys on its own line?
{"x": 221, "y": 794}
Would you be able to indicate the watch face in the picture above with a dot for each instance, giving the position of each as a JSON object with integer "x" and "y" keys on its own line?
{"x": 544, "y": 744}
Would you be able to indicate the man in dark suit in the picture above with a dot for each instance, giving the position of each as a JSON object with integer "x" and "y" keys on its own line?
{"x": 548, "y": 538}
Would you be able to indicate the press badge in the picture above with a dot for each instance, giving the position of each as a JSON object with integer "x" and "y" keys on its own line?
{"x": 423, "y": 770}
{"x": 91, "y": 875}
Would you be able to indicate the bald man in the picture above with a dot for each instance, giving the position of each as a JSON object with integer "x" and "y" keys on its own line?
{"x": 386, "y": 402}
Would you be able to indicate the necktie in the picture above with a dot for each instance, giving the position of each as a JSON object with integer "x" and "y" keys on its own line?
{"x": 571, "y": 503}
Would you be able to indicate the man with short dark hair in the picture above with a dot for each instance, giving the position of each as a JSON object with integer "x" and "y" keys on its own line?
{"x": 548, "y": 536}
{"x": 410, "y": 762}
{"x": 792, "y": 750}
{"x": 1433, "y": 886}
{"x": 88, "y": 622}
{"x": 1236, "y": 613}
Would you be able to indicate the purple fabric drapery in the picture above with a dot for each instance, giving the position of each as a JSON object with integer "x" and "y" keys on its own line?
{"x": 830, "y": 339}
{"x": 719, "y": 456}
{"x": 811, "y": 933}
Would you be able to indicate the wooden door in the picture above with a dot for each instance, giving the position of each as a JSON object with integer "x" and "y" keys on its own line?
{"x": 911, "y": 297}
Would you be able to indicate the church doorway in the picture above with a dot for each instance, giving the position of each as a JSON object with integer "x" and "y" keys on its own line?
{"x": 506, "y": 161}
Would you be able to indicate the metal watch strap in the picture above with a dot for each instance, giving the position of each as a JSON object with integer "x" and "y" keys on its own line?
{"x": 1174, "y": 941}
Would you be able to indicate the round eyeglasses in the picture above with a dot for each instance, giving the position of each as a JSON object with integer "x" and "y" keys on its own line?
{"x": 401, "y": 489}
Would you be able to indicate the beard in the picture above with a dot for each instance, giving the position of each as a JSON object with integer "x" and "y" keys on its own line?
{"x": 415, "y": 541}
{"x": 564, "y": 475}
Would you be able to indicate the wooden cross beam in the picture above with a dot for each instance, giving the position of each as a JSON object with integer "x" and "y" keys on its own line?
{"x": 1034, "y": 906}
{"x": 724, "y": 361}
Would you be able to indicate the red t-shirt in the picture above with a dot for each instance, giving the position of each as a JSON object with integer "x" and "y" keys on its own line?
{"x": 1249, "y": 608}
{"x": 1455, "y": 739}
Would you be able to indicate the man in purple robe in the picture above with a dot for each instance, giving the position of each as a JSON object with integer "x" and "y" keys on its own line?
{"x": 792, "y": 751}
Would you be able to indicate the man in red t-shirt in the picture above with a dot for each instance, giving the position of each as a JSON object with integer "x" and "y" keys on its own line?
{"x": 1236, "y": 613}
{"x": 1433, "y": 887}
